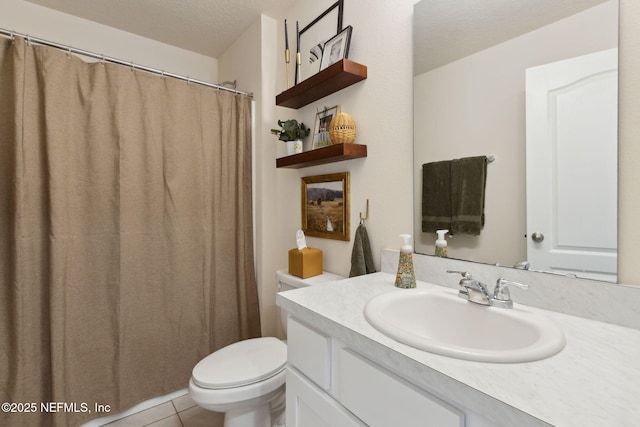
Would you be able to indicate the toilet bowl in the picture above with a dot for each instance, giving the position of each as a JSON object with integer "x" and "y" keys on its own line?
{"x": 246, "y": 380}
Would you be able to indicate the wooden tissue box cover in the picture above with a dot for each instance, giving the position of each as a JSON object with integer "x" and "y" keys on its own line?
{"x": 306, "y": 262}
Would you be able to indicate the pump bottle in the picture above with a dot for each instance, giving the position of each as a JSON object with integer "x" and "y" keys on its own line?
{"x": 441, "y": 244}
{"x": 406, "y": 277}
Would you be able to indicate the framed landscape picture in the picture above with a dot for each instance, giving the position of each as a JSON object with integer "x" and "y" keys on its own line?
{"x": 325, "y": 206}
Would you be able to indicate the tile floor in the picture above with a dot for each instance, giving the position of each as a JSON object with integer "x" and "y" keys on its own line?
{"x": 179, "y": 412}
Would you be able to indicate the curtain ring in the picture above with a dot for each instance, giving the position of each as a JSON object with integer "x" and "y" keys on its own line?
{"x": 102, "y": 59}
{"x": 13, "y": 37}
{"x": 28, "y": 40}
{"x": 68, "y": 51}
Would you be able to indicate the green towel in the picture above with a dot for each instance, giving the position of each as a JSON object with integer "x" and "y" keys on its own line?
{"x": 468, "y": 181}
{"x": 361, "y": 256}
{"x": 436, "y": 196}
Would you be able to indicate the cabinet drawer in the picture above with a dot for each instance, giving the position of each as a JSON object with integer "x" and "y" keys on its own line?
{"x": 381, "y": 399}
{"x": 309, "y": 351}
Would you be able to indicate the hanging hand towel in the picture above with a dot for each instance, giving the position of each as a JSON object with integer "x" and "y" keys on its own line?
{"x": 436, "y": 196}
{"x": 361, "y": 256}
{"x": 468, "y": 181}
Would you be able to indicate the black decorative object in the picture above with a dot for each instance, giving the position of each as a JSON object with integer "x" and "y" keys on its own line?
{"x": 314, "y": 36}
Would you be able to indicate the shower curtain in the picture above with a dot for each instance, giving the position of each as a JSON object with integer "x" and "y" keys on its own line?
{"x": 125, "y": 233}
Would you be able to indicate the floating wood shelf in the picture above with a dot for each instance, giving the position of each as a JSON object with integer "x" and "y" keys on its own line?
{"x": 320, "y": 156}
{"x": 335, "y": 77}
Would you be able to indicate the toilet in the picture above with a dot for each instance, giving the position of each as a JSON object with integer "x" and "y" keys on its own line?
{"x": 246, "y": 380}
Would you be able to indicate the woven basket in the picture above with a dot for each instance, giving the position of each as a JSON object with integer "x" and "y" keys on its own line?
{"x": 342, "y": 129}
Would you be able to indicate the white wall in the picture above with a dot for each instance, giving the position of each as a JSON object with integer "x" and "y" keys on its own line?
{"x": 251, "y": 60}
{"x": 382, "y": 108}
{"x": 475, "y": 106}
{"x": 41, "y": 22}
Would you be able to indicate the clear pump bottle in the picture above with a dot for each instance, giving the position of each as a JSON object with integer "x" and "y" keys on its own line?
{"x": 441, "y": 244}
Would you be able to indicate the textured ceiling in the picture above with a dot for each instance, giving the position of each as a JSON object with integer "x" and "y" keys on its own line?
{"x": 203, "y": 26}
{"x": 449, "y": 30}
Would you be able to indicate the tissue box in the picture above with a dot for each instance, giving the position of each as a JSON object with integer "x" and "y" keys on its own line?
{"x": 306, "y": 262}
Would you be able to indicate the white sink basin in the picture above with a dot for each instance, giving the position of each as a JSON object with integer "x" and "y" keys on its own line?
{"x": 440, "y": 322}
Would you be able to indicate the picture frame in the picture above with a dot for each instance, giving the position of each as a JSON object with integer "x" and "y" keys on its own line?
{"x": 313, "y": 38}
{"x": 325, "y": 206}
{"x": 321, "y": 128}
{"x": 336, "y": 48}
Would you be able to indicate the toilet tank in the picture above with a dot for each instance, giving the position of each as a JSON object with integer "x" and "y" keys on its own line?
{"x": 286, "y": 282}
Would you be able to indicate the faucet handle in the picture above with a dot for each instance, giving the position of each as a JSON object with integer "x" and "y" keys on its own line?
{"x": 501, "y": 295}
{"x": 464, "y": 274}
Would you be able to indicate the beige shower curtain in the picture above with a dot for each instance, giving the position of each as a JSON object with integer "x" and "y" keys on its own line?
{"x": 125, "y": 233}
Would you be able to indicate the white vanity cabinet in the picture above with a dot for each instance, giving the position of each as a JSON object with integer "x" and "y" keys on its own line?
{"x": 366, "y": 378}
{"x": 329, "y": 384}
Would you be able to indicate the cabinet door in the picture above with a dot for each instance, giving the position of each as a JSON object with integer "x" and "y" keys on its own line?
{"x": 382, "y": 399}
{"x": 308, "y": 406}
{"x": 309, "y": 351}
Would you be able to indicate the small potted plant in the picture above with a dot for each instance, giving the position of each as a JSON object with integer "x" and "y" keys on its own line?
{"x": 292, "y": 133}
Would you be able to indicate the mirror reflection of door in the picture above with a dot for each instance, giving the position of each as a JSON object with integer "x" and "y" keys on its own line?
{"x": 571, "y": 127}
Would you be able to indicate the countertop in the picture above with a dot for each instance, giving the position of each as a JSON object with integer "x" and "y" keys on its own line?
{"x": 593, "y": 381}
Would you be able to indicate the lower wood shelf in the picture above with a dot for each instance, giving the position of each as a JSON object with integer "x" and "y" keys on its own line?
{"x": 320, "y": 156}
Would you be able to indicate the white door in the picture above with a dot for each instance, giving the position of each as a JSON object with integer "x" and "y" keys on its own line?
{"x": 572, "y": 155}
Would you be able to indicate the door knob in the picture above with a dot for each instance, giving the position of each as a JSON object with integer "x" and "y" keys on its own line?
{"x": 537, "y": 237}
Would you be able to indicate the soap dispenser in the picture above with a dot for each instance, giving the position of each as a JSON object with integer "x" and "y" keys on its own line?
{"x": 406, "y": 277}
{"x": 441, "y": 244}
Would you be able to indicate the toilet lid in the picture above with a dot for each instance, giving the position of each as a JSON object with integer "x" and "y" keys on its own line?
{"x": 245, "y": 362}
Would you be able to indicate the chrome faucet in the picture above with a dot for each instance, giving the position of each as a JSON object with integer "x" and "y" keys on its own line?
{"x": 522, "y": 265}
{"x": 475, "y": 291}
{"x": 471, "y": 289}
{"x": 501, "y": 296}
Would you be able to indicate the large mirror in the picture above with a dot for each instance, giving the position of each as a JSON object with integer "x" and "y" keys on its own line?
{"x": 533, "y": 85}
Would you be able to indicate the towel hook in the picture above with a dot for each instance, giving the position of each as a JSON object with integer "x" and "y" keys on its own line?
{"x": 366, "y": 216}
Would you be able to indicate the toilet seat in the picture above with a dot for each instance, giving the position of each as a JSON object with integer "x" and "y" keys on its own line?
{"x": 240, "y": 364}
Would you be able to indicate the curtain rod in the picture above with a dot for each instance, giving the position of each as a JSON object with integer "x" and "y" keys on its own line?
{"x": 69, "y": 49}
